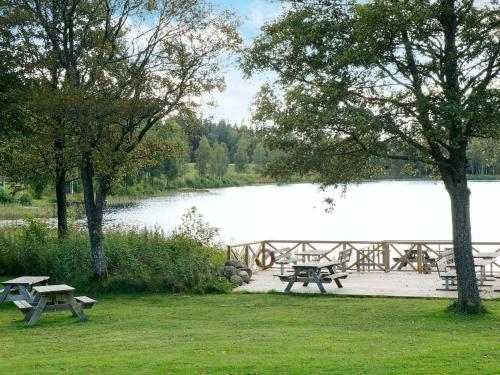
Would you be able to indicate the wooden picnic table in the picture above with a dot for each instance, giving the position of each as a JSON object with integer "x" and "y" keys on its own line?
{"x": 314, "y": 253}
{"x": 311, "y": 272}
{"x": 52, "y": 298}
{"x": 481, "y": 263}
{"x": 21, "y": 285}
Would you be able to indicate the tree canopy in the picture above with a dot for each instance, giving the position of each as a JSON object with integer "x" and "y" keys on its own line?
{"x": 412, "y": 80}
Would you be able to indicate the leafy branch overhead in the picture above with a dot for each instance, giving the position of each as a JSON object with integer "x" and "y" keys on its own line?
{"x": 409, "y": 80}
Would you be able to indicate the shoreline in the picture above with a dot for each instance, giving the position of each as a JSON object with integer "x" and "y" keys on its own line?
{"x": 16, "y": 213}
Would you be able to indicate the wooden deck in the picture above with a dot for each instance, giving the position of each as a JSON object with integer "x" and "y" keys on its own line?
{"x": 393, "y": 284}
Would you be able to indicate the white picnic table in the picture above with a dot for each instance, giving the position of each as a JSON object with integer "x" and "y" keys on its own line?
{"x": 23, "y": 286}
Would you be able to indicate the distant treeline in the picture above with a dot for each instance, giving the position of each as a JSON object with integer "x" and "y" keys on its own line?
{"x": 212, "y": 146}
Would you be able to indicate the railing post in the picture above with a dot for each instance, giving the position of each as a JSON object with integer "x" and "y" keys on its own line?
{"x": 357, "y": 260}
{"x": 246, "y": 256}
{"x": 420, "y": 265}
{"x": 263, "y": 247}
{"x": 386, "y": 256}
{"x": 228, "y": 252}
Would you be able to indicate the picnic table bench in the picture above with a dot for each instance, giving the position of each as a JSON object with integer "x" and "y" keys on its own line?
{"x": 52, "y": 298}
{"x": 20, "y": 288}
{"x": 314, "y": 272}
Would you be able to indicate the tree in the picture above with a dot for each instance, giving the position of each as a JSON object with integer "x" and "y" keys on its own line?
{"x": 121, "y": 68}
{"x": 259, "y": 157}
{"x": 219, "y": 160}
{"x": 412, "y": 80}
{"x": 203, "y": 155}
{"x": 241, "y": 156}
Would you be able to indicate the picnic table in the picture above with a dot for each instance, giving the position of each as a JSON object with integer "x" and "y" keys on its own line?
{"x": 318, "y": 254}
{"x": 52, "y": 298}
{"x": 314, "y": 272}
{"x": 481, "y": 263}
{"x": 23, "y": 286}
{"x": 411, "y": 256}
{"x": 491, "y": 256}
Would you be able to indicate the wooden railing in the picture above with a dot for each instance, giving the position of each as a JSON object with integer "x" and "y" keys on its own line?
{"x": 366, "y": 256}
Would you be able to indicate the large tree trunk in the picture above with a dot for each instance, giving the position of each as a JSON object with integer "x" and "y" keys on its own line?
{"x": 94, "y": 206}
{"x": 456, "y": 184}
{"x": 60, "y": 183}
{"x": 62, "y": 210}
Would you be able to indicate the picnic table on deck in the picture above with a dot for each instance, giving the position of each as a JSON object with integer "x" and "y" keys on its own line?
{"x": 313, "y": 253}
{"x": 480, "y": 262}
{"x": 23, "y": 286}
{"x": 52, "y": 298}
{"x": 311, "y": 272}
{"x": 488, "y": 256}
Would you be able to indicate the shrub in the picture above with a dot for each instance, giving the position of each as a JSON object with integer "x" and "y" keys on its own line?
{"x": 25, "y": 199}
{"x": 6, "y": 197}
{"x": 138, "y": 260}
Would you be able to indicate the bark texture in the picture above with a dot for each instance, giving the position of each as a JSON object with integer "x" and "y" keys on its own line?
{"x": 94, "y": 207}
{"x": 455, "y": 180}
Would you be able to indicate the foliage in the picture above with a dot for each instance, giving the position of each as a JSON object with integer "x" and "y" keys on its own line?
{"x": 138, "y": 260}
{"x": 415, "y": 81}
{"x": 241, "y": 157}
{"x": 259, "y": 157}
{"x": 194, "y": 227}
{"x": 219, "y": 160}
{"x": 26, "y": 199}
{"x": 5, "y": 197}
{"x": 203, "y": 155}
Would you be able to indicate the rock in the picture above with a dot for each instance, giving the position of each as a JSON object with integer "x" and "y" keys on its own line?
{"x": 230, "y": 271}
{"x": 236, "y": 280}
{"x": 247, "y": 270}
{"x": 232, "y": 263}
{"x": 244, "y": 275}
{"x": 240, "y": 264}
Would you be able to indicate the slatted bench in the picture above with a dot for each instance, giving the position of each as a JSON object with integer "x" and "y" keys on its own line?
{"x": 24, "y": 306}
{"x": 449, "y": 276}
{"x": 85, "y": 302}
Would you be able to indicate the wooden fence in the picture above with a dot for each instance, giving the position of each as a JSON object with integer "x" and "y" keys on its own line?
{"x": 366, "y": 256}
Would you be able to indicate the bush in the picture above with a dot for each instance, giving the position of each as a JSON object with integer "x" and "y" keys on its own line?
{"x": 138, "y": 260}
{"x": 25, "y": 199}
{"x": 6, "y": 197}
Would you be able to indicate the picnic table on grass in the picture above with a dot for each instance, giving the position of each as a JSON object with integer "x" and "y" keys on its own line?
{"x": 314, "y": 272}
{"x": 20, "y": 288}
{"x": 52, "y": 298}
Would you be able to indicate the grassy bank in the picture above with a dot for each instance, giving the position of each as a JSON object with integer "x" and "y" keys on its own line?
{"x": 252, "y": 334}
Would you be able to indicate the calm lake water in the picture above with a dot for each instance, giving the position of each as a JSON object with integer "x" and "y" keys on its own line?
{"x": 382, "y": 210}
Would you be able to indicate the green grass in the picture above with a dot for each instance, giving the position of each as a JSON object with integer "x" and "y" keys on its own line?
{"x": 253, "y": 334}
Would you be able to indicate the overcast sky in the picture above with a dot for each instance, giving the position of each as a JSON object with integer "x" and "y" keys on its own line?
{"x": 234, "y": 103}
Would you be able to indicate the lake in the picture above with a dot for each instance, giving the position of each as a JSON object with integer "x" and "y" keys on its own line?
{"x": 379, "y": 210}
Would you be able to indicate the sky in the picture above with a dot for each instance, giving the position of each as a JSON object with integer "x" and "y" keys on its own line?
{"x": 234, "y": 103}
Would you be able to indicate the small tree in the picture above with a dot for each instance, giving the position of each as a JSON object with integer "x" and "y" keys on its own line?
{"x": 241, "y": 157}
{"x": 219, "y": 160}
{"x": 203, "y": 155}
{"x": 412, "y": 80}
{"x": 259, "y": 157}
{"x": 111, "y": 70}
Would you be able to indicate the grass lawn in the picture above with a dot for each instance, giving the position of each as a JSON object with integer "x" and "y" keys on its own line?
{"x": 253, "y": 334}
